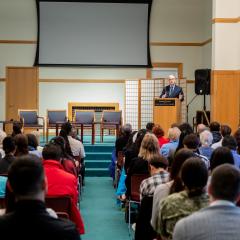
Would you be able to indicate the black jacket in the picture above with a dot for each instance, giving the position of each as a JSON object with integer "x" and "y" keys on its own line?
{"x": 5, "y": 163}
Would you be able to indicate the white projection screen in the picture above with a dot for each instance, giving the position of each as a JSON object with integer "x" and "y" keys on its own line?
{"x": 93, "y": 33}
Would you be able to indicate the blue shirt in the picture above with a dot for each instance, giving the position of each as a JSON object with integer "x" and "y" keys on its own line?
{"x": 3, "y": 183}
{"x": 236, "y": 158}
{"x": 165, "y": 149}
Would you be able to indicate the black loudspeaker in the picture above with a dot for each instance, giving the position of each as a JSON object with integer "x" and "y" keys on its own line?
{"x": 202, "y": 81}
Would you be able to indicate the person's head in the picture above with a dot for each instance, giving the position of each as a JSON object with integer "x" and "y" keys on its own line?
{"x": 171, "y": 79}
{"x": 27, "y": 179}
{"x": 225, "y": 130}
{"x": 126, "y": 129}
{"x": 191, "y": 141}
{"x": 225, "y": 183}
{"x": 32, "y": 140}
{"x": 229, "y": 142}
{"x": 220, "y": 156}
{"x": 158, "y": 162}
{"x": 149, "y": 126}
{"x": 9, "y": 145}
{"x": 214, "y": 126}
{"x": 158, "y": 131}
{"x": 201, "y": 127}
{"x": 21, "y": 142}
{"x": 51, "y": 151}
{"x": 174, "y": 133}
{"x": 2, "y": 136}
{"x": 149, "y": 147}
{"x": 140, "y": 135}
{"x": 206, "y": 138}
{"x": 67, "y": 128}
{"x": 180, "y": 157}
{"x": 17, "y": 128}
{"x": 185, "y": 129}
{"x": 194, "y": 174}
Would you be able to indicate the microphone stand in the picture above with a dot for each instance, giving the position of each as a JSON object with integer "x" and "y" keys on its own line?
{"x": 189, "y": 104}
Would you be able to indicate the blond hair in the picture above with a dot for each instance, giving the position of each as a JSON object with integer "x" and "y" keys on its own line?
{"x": 149, "y": 147}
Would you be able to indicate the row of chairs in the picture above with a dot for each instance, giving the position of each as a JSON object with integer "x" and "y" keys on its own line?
{"x": 83, "y": 119}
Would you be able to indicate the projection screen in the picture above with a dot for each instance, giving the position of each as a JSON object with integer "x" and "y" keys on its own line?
{"x": 93, "y": 33}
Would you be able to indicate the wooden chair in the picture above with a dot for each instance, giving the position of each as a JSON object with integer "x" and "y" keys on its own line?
{"x": 55, "y": 117}
{"x": 85, "y": 119}
{"x": 30, "y": 120}
{"x": 110, "y": 120}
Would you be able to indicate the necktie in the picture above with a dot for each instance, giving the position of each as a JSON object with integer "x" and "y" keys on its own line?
{"x": 171, "y": 91}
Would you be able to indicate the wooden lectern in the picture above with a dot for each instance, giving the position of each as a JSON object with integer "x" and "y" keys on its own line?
{"x": 166, "y": 111}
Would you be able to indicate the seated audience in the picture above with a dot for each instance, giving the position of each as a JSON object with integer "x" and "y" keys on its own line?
{"x": 221, "y": 220}
{"x": 237, "y": 137}
{"x": 149, "y": 126}
{"x": 168, "y": 149}
{"x": 21, "y": 142}
{"x": 9, "y": 148}
{"x": 231, "y": 143}
{"x": 201, "y": 127}
{"x": 206, "y": 139}
{"x": 61, "y": 182}
{"x": 33, "y": 145}
{"x": 3, "y": 184}
{"x": 17, "y": 129}
{"x": 194, "y": 175}
{"x": 27, "y": 180}
{"x": 2, "y": 136}
{"x": 175, "y": 185}
{"x": 159, "y": 175}
{"x": 159, "y": 133}
{"x": 225, "y": 131}
{"x": 215, "y": 130}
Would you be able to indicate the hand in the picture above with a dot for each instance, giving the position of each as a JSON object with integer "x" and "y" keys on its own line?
{"x": 180, "y": 96}
{"x": 164, "y": 95}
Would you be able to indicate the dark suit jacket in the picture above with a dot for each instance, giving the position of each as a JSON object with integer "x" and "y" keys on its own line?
{"x": 175, "y": 94}
{"x": 30, "y": 220}
{"x": 5, "y": 163}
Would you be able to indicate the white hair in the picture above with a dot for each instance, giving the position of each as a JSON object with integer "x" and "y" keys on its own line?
{"x": 174, "y": 133}
{"x": 206, "y": 138}
{"x": 2, "y": 136}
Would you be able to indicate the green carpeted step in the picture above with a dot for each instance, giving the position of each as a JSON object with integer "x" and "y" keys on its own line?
{"x": 98, "y": 156}
{"x": 97, "y": 163}
{"x": 97, "y": 172}
{"x": 98, "y": 148}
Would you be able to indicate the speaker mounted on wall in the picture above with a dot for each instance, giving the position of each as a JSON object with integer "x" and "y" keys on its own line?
{"x": 202, "y": 81}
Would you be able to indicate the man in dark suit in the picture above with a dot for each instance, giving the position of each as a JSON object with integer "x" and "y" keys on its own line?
{"x": 30, "y": 220}
{"x": 172, "y": 90}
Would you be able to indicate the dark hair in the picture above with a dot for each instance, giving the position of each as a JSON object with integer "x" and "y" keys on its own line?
{"x": 214, "y": 127}
{"x": 158, "y": 131}
{"x": 225, "y": 130}
{"x": 51, "y": 152}
{"x": 130, "y": 140}
{"x": 26, "y": 175}
{"x": 21, "y": 142}
{"x": 159, "y": 162}
{"x": 191, "y": 141}
{"x": 185, "y": 129}
{"x": 137, "y": 144}
{"x": 180, "y": 157}
{"x": 237, "y": 137}
{"x": 220, "y": 156}
{"x": 229, "y": 142}
{"x": 225, "y": 182}
{"x": 8, "y": 145}
{"x": 16, "y": 129}
{"x": 149, "y": 126}
{"x": 67, "y": 127}
{"x": 64, "y": 134}
{"x": 32, "y": 140}
{"x": 194, "y": 174}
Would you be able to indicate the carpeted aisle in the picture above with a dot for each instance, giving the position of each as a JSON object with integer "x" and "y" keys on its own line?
{"x": 102, "y": 217}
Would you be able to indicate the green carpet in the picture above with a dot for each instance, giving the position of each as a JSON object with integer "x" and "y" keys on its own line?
{"x": 102, "y": 217}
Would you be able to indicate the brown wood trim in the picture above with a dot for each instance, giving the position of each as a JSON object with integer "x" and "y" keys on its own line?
{"x": 226, "y": 20}
{"x": 81, "y": 81}
{"x": 225, "y": 72}
{"x": 2, "y": 80}
{"x": 139, "y": 103}
{"x": 182, "y": 44}
{"x": 190, "y": 81}
{"x": 18, "y": 42}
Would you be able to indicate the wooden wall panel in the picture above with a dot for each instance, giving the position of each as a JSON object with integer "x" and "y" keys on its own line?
{"x": 225, "y": 97}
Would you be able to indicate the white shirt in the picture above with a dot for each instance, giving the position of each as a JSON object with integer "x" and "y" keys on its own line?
{"x": 76, "y": 147}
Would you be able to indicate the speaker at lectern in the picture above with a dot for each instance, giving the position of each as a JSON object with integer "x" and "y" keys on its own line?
{"x": 166, "y": 111}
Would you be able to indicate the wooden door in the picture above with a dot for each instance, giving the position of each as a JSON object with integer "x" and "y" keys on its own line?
{"x": 21, "y": 90}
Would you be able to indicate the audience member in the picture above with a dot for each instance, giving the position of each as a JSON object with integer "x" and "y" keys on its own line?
{"x": 237, "y": 137}
{"x": 9, "y": 148}
{"x": 220, "y": 156}
{"x": 3, "y": 184}
{"x": 159, "y": 133}
{"x": 185, "y": 129}
{"x": 175, "y": 185}
{"x": 149, "y": 126}
{"x": 231, "y": 143}
{"x": 221, "y": 220}
{"x": 225, "y": 131}
{"x": 33, "y": 145}
{"x": 206, "y": 139}
{"x": 201, "y": 127}
{"x": 27, "y": 180}
{"x": 61, "y": 182}
{"x": 215, "y": 130}
{"x": 17, "y": 129}
{"x": 159, "y": 175}
{"x": 21, "y": 142}
{"x": 2, "y": 136}
{"x": 194, "y": 175}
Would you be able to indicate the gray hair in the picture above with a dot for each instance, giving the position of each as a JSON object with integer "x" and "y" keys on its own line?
{"x": 206, "y": 138}
{"x": 127, "y": 128}
{"x": 174, "y": 133}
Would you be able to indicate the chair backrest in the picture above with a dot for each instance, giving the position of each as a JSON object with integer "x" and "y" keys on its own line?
{"x": 29, "y": 116}
{"x": 136, "y": 180}
{"x": 112, "y": 116}
{"x": 59, "y": 203}
{"x": 56, "y": 116}
{"x": 84, "y": 117}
